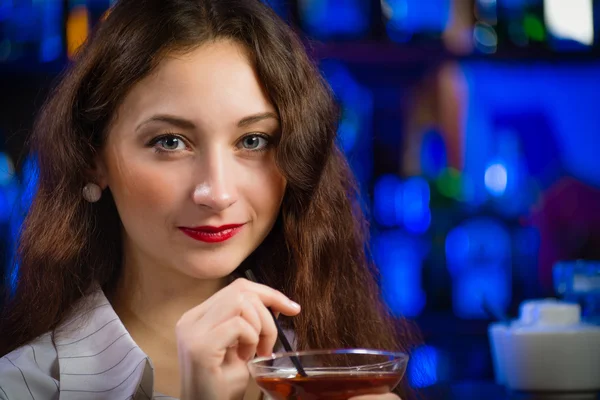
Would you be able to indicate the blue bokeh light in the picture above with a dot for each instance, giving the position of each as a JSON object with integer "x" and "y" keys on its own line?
{"x": 478, "y": 255}
{"x": 354, "y": 130}
{"x": 406, "y": 204}
{"x": 478, "y": 241}
{"x": 51, "y": 49}
{"x": 399, "y": 258}
{"x": 35, "y": 29}
{"x": 7, "y": 171}
{"x": 434, "y": 157}
{"x": 387, "y": 203}
{"x": 515, "y": 4}
{"x": 9, "y": 189}
{"x": 476, "y": 286}
{"x": 527, "y": 241}
{"x": 406, "y": 17}
{"x": 23, "y": 201}
{"x": 423, "y": 366}
{"x": 51, "y": 46}
{"x": 458, "y": 247}
{"x": 6, "y": 8}
{"x": 5, "y": 206}
{"x": 546, "y": 104}
{"x": 327, "y": 19}
{"x": 355, "y": 100}
{"x": 415, "y": 205}
{"x": 9, "y": 194}
{"x": 24, "y": 194}
{"x": 496, "y": 179}
{"x": 30, "y": 182}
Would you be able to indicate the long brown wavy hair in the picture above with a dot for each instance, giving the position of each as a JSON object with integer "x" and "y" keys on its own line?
{"x": 316, "y": 252}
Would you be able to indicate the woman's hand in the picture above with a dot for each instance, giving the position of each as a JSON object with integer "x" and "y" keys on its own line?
{"x": 386, "y": 396}
{"x": 216, "y": 339}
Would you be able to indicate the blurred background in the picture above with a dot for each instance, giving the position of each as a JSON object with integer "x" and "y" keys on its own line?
{"x": 472, "y": 126}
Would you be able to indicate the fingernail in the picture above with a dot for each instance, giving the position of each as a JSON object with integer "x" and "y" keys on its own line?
{"x": 294, "y": 305}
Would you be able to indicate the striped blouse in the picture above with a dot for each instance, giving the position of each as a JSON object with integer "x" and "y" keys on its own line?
{"x": 92, "y": 357}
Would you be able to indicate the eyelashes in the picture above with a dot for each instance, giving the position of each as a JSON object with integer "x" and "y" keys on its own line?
{"x": 255, "y": 142}
{"x": 164, "y": 143}
{"x": 174, "y": 143}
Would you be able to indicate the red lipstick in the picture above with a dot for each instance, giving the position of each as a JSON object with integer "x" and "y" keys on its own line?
{"x": 212, "y": 234}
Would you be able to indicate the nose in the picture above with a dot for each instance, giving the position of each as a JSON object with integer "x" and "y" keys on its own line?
{"x": 216, "y": 189}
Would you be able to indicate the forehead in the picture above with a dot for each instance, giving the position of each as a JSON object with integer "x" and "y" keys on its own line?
{"x": 214, "y": 82}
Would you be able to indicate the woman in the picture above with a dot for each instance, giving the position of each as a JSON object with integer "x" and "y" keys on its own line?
{"x": 190, "y": 141}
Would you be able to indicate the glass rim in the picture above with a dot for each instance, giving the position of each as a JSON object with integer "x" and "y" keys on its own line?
{"x": 399, "y": 355}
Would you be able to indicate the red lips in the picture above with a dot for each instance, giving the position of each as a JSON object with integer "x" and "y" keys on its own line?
{"x": 212, "y": 234}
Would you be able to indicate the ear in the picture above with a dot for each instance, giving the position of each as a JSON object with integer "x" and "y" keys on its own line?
{"x": 98, "y": 174}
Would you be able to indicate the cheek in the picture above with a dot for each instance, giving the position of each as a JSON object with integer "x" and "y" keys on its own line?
{"x": 138, "y": 186}
{"x": 265, "y": 190}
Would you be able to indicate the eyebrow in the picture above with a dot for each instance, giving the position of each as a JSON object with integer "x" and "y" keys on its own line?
{"x": 252, "y": 119}
{"x": 169, "y": 119}
{"x": 187, "y": 124}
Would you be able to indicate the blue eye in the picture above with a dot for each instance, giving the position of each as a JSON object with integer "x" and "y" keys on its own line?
{"x": 168, "y": 143}
{"x": 254, "y": 142}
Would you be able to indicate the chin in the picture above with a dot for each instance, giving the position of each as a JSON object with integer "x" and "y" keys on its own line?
{"x": 209, "y": 269}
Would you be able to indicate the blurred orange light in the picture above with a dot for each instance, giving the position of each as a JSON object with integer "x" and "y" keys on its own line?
{"x": 78, "y": 26}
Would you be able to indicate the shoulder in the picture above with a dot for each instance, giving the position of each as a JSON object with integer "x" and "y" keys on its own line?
{"x": 30, "y": 371}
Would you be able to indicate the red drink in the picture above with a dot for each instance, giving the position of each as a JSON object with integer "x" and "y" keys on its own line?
{"x": 332, "y": 386}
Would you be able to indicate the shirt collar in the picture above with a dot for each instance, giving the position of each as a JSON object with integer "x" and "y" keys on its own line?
{"x": 97, "y": 357}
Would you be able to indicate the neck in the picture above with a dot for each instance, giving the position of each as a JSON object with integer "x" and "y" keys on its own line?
{"x": 150, "y": 298}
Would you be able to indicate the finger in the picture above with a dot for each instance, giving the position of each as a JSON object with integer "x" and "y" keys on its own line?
{"x": 276, "y": 301}
{"x": 237, "y": 305}
{"x": 269, "y": 297}
{"x": 268, "y": 333}
{"x": 220, "y": 297}
{"x": 236, "y": 332}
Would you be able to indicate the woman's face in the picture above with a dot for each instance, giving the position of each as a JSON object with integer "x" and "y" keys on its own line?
{"x": 190, "y": 163}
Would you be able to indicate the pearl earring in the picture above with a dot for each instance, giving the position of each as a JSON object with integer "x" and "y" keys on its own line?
{"x": 92, "y": 192}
